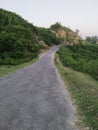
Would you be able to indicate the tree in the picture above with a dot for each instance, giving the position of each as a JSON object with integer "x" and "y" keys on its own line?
{"x": 93, "y": 39}
{"x": 77, "y": 31}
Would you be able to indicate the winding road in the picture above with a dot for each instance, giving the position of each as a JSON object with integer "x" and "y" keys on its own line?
{"x": 35, "y": 98}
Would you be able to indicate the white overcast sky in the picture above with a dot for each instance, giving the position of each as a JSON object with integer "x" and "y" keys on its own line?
{"x": 76, "y": 14}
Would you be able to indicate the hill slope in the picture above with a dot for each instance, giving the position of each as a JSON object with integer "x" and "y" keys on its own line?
{"x": 66, "y": 35}
{"x": 21, "y": 41}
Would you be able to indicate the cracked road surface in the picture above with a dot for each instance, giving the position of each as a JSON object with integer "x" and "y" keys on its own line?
{"x": 34, "y": 98}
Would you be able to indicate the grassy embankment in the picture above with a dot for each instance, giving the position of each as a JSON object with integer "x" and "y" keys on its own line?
{"x": 83, "y": 87}
{"x": 6, "y": 69}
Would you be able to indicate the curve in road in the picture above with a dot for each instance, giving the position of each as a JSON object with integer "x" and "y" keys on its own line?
{"x": 34, "y": 98}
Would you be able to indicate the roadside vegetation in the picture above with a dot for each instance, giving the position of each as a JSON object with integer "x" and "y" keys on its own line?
{"x": 80, "y": 57}
{"x": 20, "y": 41}
{"x": 6, "y": 69}
{"x": 81, "y": 85}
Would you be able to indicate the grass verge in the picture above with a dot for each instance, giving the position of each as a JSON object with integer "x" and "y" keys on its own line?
{"x": 6, "y": 69}
{"x": 84, "y": 91}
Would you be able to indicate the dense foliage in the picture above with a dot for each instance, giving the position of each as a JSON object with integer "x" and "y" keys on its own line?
{"x": 82, "y": 58}
{"x": 18, "y": 39}
{"x": 58, "y": 25}
{"x": 47, "y": 36}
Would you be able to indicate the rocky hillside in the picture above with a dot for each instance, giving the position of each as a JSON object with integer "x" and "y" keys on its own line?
{"x": 21, "y": 41}
{"x": 66, "y": 35}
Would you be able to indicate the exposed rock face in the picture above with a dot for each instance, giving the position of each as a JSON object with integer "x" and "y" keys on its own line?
{"x": 61, "y": 33}
{"x": 67, "y": 35}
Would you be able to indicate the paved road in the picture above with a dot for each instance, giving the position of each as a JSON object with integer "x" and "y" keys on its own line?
{"x": 34, "y": 98}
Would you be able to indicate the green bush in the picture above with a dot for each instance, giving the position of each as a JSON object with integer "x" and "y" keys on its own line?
{"x": 80, "y": 57}
{"x": 19, "y": 40}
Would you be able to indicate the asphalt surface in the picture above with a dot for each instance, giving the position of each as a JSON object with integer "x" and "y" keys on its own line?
{"x": 34, "y": 98}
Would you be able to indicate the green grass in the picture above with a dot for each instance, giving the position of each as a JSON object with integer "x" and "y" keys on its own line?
{"x": 6, "y": 69}
{"x": 84, "y": 91}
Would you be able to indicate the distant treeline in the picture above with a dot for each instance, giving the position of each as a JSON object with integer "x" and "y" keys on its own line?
{"x": 93, "y": 39}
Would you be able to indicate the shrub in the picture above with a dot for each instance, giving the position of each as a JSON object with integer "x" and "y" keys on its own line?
{"x": 83, "y": 58}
